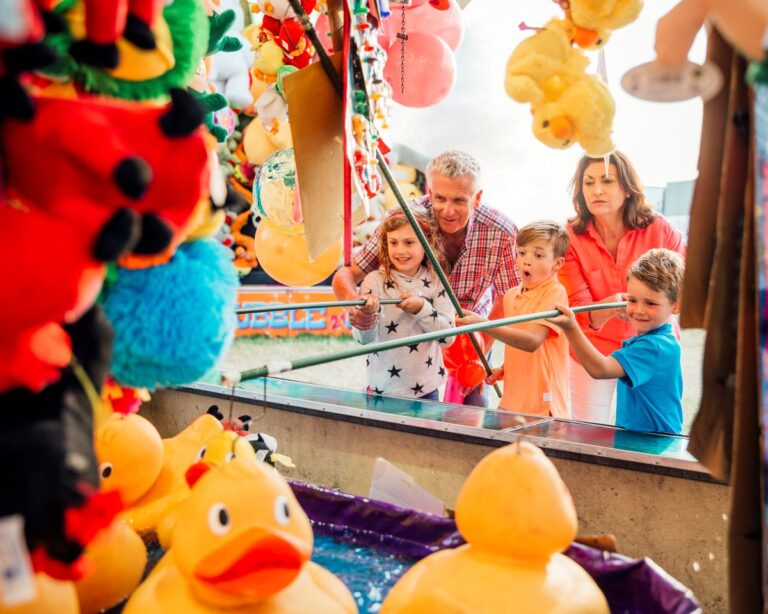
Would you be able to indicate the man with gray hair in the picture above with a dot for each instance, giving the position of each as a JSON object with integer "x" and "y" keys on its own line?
{"x": 479, "y": 243}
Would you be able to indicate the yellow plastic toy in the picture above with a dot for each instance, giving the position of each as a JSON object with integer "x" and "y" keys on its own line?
{"x": 119, "y": 557}
{"x": 241, "y": 543}
{"x": 130, "y": 454}
{"x": 543, "y": 65}
{"x": 221, "y": 448}
{"x": 52, "y": 596}
{"x": 179, "y": 453}
{"x": 594, "y": 20}
{"x": 582, "y": 114}
{"x": 517, "y": 516}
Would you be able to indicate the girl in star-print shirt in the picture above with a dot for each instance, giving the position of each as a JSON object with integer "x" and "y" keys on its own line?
{"x": 414, "y": 371}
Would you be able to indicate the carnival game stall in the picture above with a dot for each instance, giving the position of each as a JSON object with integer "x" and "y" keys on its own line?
{"x": 183, "y": 145}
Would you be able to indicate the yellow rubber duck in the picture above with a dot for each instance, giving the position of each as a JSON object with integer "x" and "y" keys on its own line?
{"x": 516, "y": 515}
{"x": 179, "y": 452}
{"x": 130, "y": 454}
{"x": 221, "y": 448}
{"x": 241, "y": 543}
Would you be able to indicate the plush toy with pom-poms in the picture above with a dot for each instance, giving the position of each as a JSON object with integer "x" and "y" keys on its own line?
{"x": 112, "y": 167}
{"x": 181, "y": 33}
{"x": 33, "y": 345}
{"x": 47, "y": 438}
{"x": 172, "y": 322}
{"x": 108, "y": 20}
{"x": 21, "y": 50}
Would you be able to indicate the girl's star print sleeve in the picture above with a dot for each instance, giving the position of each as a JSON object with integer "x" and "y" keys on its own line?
{"x": 371, "y": 284}
{"x": 437, "y": 312}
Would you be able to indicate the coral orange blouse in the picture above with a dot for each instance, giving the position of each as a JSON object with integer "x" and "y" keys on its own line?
{"x": 590, "y": 273}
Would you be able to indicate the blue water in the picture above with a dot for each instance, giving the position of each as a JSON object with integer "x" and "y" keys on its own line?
{"x": 368, "y": 572}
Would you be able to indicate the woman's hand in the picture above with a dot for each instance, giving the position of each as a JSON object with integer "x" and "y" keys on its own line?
{"x": 566, "y": 321}
{"x": 469, "y": 317}
{"x": 619, "y": 312}
{"x": 411, "y": 303}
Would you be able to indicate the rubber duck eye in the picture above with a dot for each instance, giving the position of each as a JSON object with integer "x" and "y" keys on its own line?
{"x": 200, "y": 454}
{"x": 229, "y": 457}
{"x": 545, "y": 124}
{"x": 218, "y": 519}
{"x": 598, "y": 42}
{"x": 105, "y": 470}
{"x": 282, "y": 511}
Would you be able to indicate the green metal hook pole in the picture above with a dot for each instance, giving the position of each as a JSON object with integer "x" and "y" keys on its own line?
{"x": 311, "y": 361}
{"x": 337, "y": 84}
{"x": 319, "y": 305}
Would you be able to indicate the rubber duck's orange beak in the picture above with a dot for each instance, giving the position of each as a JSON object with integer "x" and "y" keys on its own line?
{"x": 255, "y": 563}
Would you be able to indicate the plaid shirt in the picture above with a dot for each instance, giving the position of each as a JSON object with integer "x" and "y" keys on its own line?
{"x": 485, "y": 266}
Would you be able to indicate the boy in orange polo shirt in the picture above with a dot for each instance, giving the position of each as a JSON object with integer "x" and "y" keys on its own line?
{"x": 535, "y": 367}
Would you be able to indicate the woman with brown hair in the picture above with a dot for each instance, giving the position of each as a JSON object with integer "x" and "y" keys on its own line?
{"x": 613, "y": 226}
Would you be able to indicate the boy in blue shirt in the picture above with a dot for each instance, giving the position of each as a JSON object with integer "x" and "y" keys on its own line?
{"x": 648, "y": 366}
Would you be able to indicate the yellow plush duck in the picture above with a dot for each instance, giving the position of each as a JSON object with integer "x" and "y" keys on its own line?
{"x": 517, "y": 516}
{"x": 583, "y": 114}
{"x": 543, "y": 65}
{"x": 594, "y": 20}
{"x": 241, "y": 543}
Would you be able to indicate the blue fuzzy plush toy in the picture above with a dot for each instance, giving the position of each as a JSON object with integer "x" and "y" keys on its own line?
{"x": 172, "y": 322}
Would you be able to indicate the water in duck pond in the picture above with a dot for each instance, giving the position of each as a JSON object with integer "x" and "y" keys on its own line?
{"x": 368, "y": 572}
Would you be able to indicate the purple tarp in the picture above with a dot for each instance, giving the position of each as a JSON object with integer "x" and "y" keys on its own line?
{"x": 630, "y": 585}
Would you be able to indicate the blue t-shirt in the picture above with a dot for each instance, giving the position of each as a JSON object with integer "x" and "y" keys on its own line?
{"x": 649, "y": 396}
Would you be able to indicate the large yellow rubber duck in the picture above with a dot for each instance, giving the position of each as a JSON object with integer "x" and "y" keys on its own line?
{"x": 241, "y": 544}
{"x": 516, "y": 515}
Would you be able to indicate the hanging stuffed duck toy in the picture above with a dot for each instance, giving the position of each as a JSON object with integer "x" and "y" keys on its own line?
{"x": 241, "y": 543}
{"x": 593, "y": 21}
{"x": 516, "y": 515}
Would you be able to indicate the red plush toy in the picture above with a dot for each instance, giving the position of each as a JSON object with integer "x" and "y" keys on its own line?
{"x": 50, "y": 277}
{"x": 130, "y": 173}
{"x": 21, "y": 50}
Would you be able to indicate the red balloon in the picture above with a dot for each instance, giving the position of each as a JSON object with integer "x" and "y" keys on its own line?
{"x": 470, "y": 374}
{"x": 458, "y": 353}
{"x": 430, "y": 70}
{"x": 446, "y": 24}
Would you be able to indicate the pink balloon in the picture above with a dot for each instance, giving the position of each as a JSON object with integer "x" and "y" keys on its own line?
{"x": 430, "y": 70}
{"x": 447, "y": 24}
{"x": 323, "y": 29}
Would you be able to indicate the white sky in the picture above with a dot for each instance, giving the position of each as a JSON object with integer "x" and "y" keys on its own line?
{"x": 522, "y": 176}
